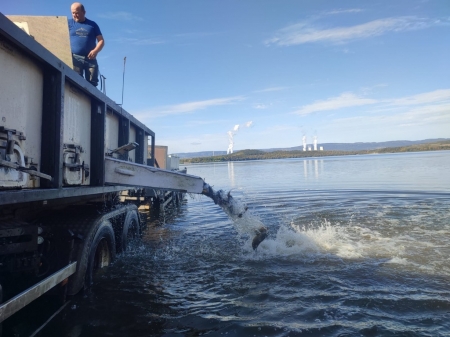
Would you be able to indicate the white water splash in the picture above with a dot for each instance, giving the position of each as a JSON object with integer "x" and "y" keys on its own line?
{"x": 352, "y": 243}
{"x": 325, "y": 239}
{"x": 244, "y": 221}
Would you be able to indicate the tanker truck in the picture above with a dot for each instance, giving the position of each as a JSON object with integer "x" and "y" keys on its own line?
{"x": 71, "y": 159}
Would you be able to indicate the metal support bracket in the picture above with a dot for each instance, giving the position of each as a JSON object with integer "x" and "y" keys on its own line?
{"x": 124, "y": 149}
{"x": 30, "y": 171}
{"x": 10, "y": 141}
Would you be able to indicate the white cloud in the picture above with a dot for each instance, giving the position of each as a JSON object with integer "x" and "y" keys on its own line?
{"x": 430, "y": 109}
{"x": 344, "y": 11}
{"x": 188, "y": 107}
{"x": 429, "y": 100}
{"x": 368, "y": 90}
{"x": 436, "y": 113}
{"x": 427, "y": 113}
{"x": 305, "y": 32}
{"x": 441, "y": 95}
{"x": 120, "y": 16}
{"x": 345, "y": 100}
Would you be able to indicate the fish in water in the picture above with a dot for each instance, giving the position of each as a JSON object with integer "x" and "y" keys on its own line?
{"x": 261, "y": 234}
{"x": 234, "y": 210}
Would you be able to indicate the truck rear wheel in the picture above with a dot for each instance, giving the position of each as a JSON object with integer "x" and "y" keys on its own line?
{"x": 131, "y": 229}
{"x": 102, "y": 251}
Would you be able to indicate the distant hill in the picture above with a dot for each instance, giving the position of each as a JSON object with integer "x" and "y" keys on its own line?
{"x": 326, "y": 146}
{"x": 261, "y": 155}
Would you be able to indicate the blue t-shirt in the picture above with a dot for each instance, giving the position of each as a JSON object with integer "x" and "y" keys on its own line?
{"x": 83, "y": 36}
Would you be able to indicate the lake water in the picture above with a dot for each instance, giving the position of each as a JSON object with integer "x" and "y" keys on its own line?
{"x": 357, "y": 246}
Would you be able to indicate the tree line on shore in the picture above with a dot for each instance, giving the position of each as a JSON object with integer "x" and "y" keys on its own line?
{"x": 260, "y": 155}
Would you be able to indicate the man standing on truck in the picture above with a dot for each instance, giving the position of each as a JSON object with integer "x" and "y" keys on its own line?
{"x": 86, "y": 41}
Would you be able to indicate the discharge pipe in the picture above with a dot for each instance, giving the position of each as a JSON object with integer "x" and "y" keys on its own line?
{"x": 234, "y": 210}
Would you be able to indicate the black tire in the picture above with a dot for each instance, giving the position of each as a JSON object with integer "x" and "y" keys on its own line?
{"x": 130, "y": 231}
{"x": 1, "y": 301}
{"x": 102, "y": 251}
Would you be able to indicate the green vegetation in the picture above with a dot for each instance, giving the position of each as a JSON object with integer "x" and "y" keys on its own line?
{"x": 259, "y": 155}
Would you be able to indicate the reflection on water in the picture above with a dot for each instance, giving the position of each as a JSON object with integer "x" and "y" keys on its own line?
{"x": 231, "y": 174}
{"x": 312, "y": 168}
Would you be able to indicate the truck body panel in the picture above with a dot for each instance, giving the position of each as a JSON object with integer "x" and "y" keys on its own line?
{"x": 21, "y": 95}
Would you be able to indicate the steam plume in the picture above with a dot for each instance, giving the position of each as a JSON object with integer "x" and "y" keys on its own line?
{"x": 233, "y": 132}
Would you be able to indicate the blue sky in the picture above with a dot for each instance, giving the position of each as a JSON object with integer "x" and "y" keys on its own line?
{"x": 344, "y": 71}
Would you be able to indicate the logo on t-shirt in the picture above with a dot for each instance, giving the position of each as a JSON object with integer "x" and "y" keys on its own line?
{"x": 81, "y": 32}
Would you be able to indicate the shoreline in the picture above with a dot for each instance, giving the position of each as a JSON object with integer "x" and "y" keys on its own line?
{"x": 246, "y": 155}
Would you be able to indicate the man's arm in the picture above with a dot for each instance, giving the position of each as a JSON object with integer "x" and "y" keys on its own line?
{"x": 100, "y": 43}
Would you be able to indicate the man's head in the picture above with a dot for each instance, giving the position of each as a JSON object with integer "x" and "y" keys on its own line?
{"x": 78, "y": 12}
